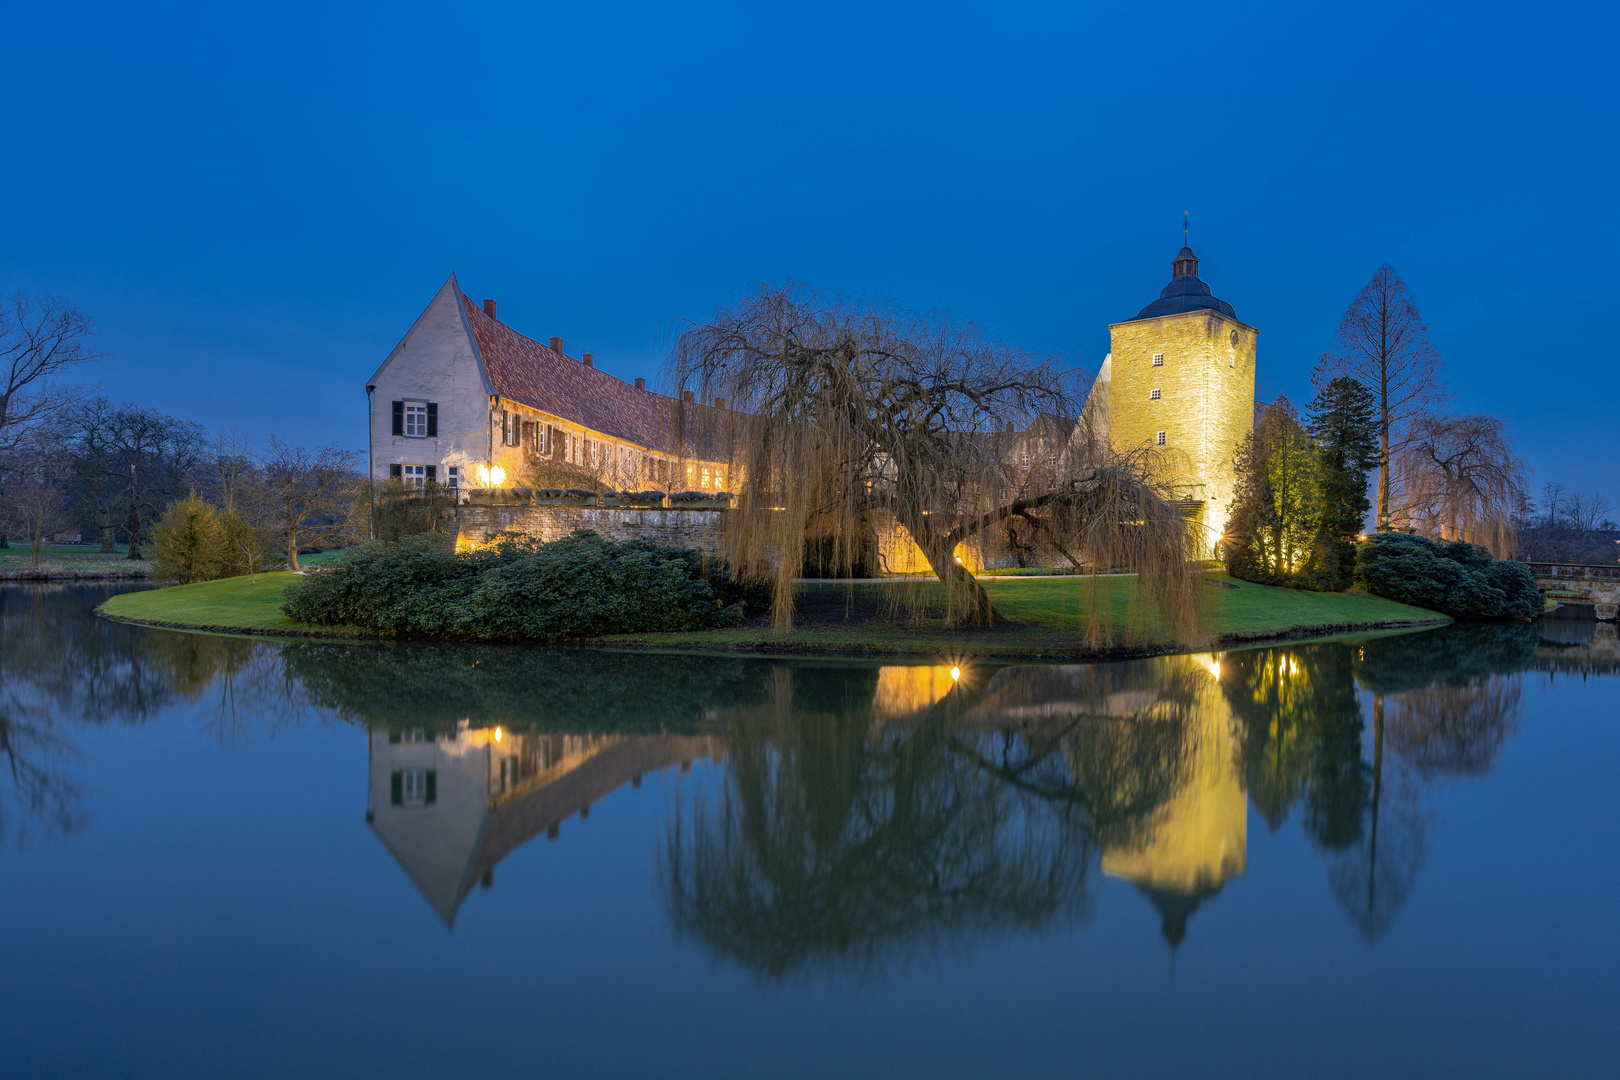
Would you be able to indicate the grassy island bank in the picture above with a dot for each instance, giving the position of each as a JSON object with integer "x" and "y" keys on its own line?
{"x": 1044, "y": 613}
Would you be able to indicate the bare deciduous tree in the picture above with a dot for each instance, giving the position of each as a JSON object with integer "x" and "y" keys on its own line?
{"x": 1461, "y": 480}
{"x": 37, "y": 500}
{"x": 1384, "y": 344}
{"x": 310, "y": 496}
{"x": 848, "y": 417}
{"x": 40, "y": 338}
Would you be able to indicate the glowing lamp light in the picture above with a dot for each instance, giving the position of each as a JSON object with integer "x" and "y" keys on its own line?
{"x": 498, "y": 734}
{"x": 494, "y": 476}
{"x": 956, "y": 674}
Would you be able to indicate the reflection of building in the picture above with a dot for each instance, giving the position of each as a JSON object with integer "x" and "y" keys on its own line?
{"x": 449, "y": 807}
{"x": 1200, "y": 838}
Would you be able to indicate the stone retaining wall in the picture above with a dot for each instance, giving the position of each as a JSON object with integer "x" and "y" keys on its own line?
{"x": 474, "y": 524}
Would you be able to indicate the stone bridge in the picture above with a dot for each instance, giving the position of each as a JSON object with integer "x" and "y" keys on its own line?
{"x": 1569, "y": 583}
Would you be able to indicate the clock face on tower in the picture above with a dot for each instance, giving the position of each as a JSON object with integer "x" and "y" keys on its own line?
{"x": 1234, "y": 337}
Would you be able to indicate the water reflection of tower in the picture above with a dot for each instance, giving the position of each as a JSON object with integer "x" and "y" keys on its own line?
{"x": 449, "y": 806}
{"x": 1199, "y": 838}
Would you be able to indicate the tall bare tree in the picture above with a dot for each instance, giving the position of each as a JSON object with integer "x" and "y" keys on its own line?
{"x": 1384, "y": 345}
{"x": 40, "y": 338}
{"x": 156, "y": 458}
{"x": 310, "y": 496}
{"x": 846, "y": 417}
{"x": 37, "y": 500}
{"x": 1461, "y": 480}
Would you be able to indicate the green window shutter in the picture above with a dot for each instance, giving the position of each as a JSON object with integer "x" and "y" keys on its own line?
{"x": 396, "y": 472}
{"x": 432, "y": 786}
{"x": 433, "y": 419}
{"x": 432, "y": 473}
{"x": 396, "y": 789}
{"x": 399, "y": 418}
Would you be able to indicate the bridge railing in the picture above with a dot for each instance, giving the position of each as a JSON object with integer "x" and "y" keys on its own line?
{"x": 1574, "y": 571}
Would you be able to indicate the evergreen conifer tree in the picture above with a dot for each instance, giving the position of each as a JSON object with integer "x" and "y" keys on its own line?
{"x": 1344, "y": 423}
{"x": 189, "y": 543}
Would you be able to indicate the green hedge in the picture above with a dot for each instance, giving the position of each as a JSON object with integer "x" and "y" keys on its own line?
{"x": 1463, "y": 580}
{"x": 518, "y": 589}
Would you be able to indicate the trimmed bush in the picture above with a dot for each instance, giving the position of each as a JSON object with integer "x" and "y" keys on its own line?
{"x": 1463, "y": 580}
{"x": 518, "y": 589}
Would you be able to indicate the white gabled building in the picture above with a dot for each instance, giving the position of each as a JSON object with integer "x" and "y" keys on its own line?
{"x": 465, "y": 400}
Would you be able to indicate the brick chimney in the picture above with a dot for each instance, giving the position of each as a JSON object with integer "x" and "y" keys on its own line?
{"x": 686, "y": 395}
{"x": 556, "y": 344}
{"x": 719, "y": 402}
{"x": 589, "y": 360}
{"x": 641, "y": 384}
{"x": 489, "y": 309}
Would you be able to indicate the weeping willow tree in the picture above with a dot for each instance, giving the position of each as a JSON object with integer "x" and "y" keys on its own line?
{"x": 848, "y": 418}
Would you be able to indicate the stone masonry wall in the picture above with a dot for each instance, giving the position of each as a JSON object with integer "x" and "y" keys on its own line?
{"x": 700, "y": 529}
{"x": 1205, "y": 404}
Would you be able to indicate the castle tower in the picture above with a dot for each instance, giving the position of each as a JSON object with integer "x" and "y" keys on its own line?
{"x": 1180, "y": 379}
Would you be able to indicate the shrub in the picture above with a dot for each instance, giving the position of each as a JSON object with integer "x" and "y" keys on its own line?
{"x": 1462, "y": 580}
{"x": 519, "y": 589}
{"x": 188, "y": 544}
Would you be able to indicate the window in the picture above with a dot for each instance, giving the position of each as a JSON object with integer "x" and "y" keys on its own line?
{"x": 1153, "y": 395}
{"x": 1051, "y": 461}
{"x": 452, "y": 477}
{"x": 413, "y": 787}
{"x": 596, "y": 454}
{"x": 416, "y": 419}
{"x": 689, "y": 474}
{"x": 1160, "y": 439}
{"x": 574, "y": 443}
{"x": 1024, "y": 461}
{"x": 1158, "y": 359}
{"x": 719, "y": 480}
{"x": 414, "y": 475}
{"x": 542, "y": 439}
{"x": 511, "y": 428}
{"x": 705, "y": 476}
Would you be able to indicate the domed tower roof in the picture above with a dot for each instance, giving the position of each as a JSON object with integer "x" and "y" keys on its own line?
{"x": 1185, "y": 292}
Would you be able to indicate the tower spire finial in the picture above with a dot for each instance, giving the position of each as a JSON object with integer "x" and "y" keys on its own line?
{"x": 1186, "y": 226}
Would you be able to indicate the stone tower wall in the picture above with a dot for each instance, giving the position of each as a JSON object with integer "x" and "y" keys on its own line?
{"x": 1205, "y": 408}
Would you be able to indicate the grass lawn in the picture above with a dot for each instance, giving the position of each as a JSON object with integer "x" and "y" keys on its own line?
{"x": 229, "y": 604}
{"x": 1044, "y": 616}
{"x": 69, "y": 559}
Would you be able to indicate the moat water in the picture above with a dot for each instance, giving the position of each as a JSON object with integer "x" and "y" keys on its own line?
{"x": 1389, "y": 856}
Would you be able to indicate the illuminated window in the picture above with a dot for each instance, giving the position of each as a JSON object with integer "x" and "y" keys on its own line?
{"x": 596, "y": 454}
{"x": 1158, "y": 359}
{"x": 705, "y": 477}
{"x": 1051, "y": 461}
{"x": 1153, "y": 395}
{"x": 719, "y": 480}
{"x": 1024, "y": 460}
{"x": 1160, "y": 439}
{"x": 689, "y": 474}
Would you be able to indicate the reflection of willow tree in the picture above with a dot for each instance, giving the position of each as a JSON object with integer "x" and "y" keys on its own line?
{"x": 60, "y": 664}
{"x": 432, "y": 686}
{"x": 835, "y": 841}
{"x": 842, "y": 839}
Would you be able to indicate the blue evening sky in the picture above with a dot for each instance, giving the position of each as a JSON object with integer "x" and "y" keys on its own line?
{"x": 255, "y": 202}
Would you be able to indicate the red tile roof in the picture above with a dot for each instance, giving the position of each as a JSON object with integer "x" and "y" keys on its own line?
{"x": 547, "y": 380}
